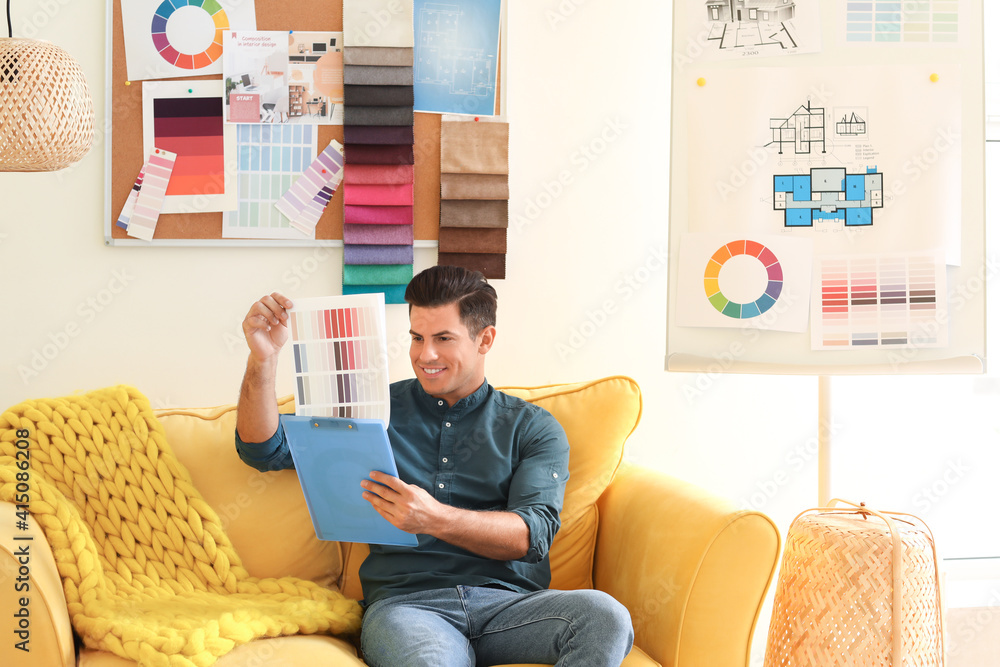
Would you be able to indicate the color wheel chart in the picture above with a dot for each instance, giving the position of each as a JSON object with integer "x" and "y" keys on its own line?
{"x": 339, "y": 356}
{"x": 195, "y": 13}
{"x": 742, "y": 261}
{"x": 880, "y": 301}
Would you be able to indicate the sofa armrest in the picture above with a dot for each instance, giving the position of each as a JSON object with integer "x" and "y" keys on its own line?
{"x": 33, "y": 578}
{"x": 691, "y": 569}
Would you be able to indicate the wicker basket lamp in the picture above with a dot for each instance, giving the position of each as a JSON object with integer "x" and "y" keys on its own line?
{"x": 857, "y": 588}
{"x": 46, "y": 112}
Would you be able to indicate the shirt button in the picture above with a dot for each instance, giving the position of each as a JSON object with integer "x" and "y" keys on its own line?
{"x": 440, "y": 486}
{"x": 440, "y": 402}
{"x": 556, "y": 475}
{"x": 448, "y": 424}
{"x": 444, "y": 460}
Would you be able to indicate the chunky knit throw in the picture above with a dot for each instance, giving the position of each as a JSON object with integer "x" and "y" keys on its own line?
{"x": 148, "y": 572}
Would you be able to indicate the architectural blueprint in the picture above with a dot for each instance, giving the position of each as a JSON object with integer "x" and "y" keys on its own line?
{"x": 722, "y": 29}
{"x": 813, "y": 153}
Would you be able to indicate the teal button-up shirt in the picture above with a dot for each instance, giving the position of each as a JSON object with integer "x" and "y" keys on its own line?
{"x": 488, "y": 452}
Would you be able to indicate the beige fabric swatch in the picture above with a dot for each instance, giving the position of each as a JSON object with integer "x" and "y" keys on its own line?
{"x": 383, "y": 56}
{"x": 474, "y": 186}
{"x": 473, "y": 212}
{"x": 470, "y": 147}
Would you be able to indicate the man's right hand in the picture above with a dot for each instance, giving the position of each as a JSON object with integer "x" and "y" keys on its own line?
{"x": 266, "y": 326}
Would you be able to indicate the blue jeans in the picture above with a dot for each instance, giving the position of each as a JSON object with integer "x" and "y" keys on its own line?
{"x": 468, "y": 625}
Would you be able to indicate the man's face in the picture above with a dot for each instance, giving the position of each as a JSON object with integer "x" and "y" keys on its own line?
{"x": 448, "y": 363}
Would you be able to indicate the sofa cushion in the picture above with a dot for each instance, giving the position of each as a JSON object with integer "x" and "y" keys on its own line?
{"x": 598, "y": 417}
{"x": 264, "y": 514}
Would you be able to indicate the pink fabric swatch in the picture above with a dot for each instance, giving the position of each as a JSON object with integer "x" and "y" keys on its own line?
{"x": 378, "y": 195}
{"x": 379, "y": 234}
{"x": 378, "y": 215}
{"x": 378, "y": 174}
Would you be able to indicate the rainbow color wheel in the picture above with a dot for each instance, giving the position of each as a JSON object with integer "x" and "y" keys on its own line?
{"x": 742, "y": 311}
{"x": 188, "y": 60}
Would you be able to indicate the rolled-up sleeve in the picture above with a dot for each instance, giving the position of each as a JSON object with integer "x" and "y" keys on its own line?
{"x": 539, "y": 482}
{"x": 272, "y": 454}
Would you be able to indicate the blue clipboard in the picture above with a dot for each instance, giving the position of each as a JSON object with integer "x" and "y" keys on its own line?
{"x": 332, "y": 456}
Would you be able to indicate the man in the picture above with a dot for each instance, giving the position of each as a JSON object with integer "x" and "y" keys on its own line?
{"x": 481, "y": 480}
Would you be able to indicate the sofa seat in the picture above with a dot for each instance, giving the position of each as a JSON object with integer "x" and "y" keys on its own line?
{"x": 691, "y": 568}
{"x": 302, "y": 650}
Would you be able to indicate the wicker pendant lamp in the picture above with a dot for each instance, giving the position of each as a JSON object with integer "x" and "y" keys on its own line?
{"x": 46, "y": 112}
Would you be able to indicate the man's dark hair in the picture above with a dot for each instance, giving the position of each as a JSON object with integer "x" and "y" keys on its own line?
{"x": 443, "y": 285}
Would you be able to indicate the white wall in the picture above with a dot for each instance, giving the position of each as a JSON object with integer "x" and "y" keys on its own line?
{"x": 589, "y": 89}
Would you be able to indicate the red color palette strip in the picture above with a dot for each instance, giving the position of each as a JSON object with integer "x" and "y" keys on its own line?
{"x": 192, "y": 128}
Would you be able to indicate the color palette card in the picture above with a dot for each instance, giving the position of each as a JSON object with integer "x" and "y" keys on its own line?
{"x": 156, "y": 175}
{"x": 891, "y": 301}
{"x": 185, "y": 117}
{"x": 339, "y": 357}
{"x": 309, "y": 196}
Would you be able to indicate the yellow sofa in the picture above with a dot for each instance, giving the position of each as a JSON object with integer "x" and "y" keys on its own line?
{"x": 691, "y": 569}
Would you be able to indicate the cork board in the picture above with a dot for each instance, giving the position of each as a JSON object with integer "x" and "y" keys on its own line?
{"x": 126, "y": 157}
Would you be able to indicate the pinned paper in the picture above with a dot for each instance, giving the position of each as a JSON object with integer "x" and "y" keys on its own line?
{"x": 305, "y": 201}
{"x": 149, "y": 200}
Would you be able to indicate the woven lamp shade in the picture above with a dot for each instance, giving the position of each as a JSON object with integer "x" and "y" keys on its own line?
{"x": 46, "y": 112}
{"x": 835, "y": 604}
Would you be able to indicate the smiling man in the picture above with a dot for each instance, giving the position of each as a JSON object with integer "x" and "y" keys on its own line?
{"x": 481, "y": 481}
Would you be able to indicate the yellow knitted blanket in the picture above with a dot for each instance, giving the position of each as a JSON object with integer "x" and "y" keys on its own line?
{"x": 148, "y": 572}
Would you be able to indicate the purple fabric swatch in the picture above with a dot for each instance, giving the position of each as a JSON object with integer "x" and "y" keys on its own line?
{"x": 378, "y": 234}
{"x": 378, "y": 254}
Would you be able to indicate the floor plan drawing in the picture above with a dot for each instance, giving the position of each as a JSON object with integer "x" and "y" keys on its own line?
{"x": 828, "y": 194}
{"x": 804, "y": 131}
{"x": 751, "y": 23}
{"x": 444, "y": 61}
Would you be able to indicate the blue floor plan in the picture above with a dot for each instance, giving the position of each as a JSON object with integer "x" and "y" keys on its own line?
{"x": 828, "y": 194}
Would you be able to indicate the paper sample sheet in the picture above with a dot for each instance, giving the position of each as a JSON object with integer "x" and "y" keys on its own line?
{"x": 339, "y": 357}
{"x": 885, "y": 300}
{"x": 185, "y": 117}
{"x": 284, "y": 77}
{"x": 270, "y": 158}
{"x": 736, "y": 281}
{"x": 171, "y": 39}
{"x": 923, "y": 23}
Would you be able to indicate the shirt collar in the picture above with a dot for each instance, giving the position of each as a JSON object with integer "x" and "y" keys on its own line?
{"x": 461, "y": 407}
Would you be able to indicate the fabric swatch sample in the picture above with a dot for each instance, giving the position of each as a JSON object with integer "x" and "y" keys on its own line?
{"x": 374, "y": 174}
{"x": 383, "y": 56}
{"x": 371, "y": 115}
{"x": 474, "y": 213}
{"x": 377, "y": 274}
{"x": 474, "y": 186}
{"x": 378, "y": 195}
{"x": 378, "y": 96}
{"x": 378, "y": 254}
{"x": 470, "y": 147}
{"x": 379, "y": 153}
{"x": 393, "y": 293}
{"x": 463, "y": 239}
{"x": 377, "y": 134}
{"x": 378, "y": 215}
{"x": 370, "y": 75}
{"x": 378, "y": 23}
{"x": 378, "y": 234}
{"x": 494, "y": 267}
